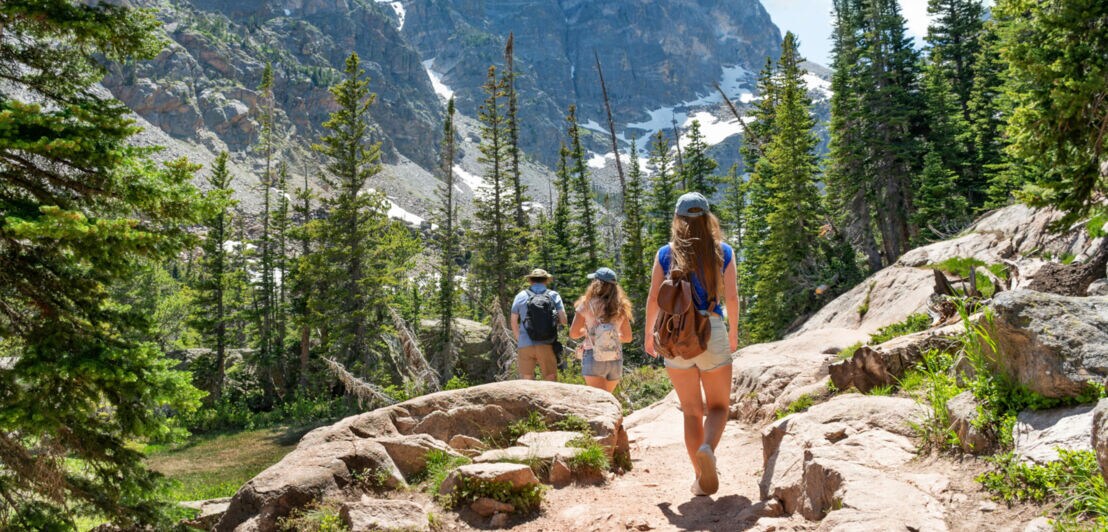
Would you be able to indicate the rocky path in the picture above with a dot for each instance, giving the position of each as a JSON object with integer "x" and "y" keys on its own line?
{"x": 655, "y": 494}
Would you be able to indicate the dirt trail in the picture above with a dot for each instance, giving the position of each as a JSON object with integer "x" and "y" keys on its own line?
{"x": 655, "y": 494}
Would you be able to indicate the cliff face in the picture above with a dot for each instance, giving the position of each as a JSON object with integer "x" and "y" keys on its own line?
{"x": 656, "y": 55}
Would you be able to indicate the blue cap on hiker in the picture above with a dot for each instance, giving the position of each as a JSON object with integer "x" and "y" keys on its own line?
{"x": 603, "y": 274}
{"x": 692, "y": 204}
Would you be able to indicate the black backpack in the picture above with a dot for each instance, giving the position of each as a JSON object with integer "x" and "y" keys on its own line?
{"x": 539, "y": 319}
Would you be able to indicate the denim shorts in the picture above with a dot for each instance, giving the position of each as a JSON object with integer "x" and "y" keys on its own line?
{"x": 717, "y": 355}
{"x": 611, "y": 370}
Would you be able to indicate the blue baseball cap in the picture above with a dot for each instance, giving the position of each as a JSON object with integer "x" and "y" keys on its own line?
{"x": 692, "y": 204}
{"x": 603, "y": 274}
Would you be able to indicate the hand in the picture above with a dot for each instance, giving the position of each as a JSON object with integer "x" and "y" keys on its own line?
{"x": 734, "y": 345}
{"x": 648, "y": 345}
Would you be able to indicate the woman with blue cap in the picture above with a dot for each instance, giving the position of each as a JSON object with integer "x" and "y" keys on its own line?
{"x": 603, "y": 319}
{"x": 696, "y": 248}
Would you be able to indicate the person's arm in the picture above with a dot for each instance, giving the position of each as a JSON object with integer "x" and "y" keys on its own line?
{"x": 625, "y": 331}
{"x": 562, "y": 319}
{"x": 515, "y": 325}
{"x": 731, "y": 298}
{"x": 652, "y": 308}
{"x": 577, "y": 330}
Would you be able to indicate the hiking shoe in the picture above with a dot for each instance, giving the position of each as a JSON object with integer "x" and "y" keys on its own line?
{"x": 695, "y": 488}
{"x": 709, "y": 478}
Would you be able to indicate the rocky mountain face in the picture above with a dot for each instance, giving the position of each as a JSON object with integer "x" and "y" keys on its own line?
{"x": 661, "y": 60}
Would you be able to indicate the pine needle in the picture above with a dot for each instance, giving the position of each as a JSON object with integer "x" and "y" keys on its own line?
{"x": 366, "y": 393}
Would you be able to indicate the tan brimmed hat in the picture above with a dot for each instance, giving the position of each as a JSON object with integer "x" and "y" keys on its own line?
{"x": 539, "y": 273}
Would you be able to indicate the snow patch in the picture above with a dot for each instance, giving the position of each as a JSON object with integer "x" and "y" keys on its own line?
{"x": 398, "y": 8}
{"x": 817, "y": 84}
{"x": 660, "y": 119}
{"x": 399, "y": 213}
{"x": 713, "y": 129}
{"x": 287, "y": 12}
{"x": 473, "y": 182}
{"x": 599, "y": 161}
{"x": 442, "y": 89}
{"x": 733, "y": 80}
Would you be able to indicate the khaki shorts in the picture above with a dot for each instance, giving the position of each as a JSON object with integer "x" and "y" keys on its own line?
{"x": 541, "y": 355}
{"x": 717, "y": 355}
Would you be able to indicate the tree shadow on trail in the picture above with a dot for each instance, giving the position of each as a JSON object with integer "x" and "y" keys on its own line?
{"x": 725, "y": 514}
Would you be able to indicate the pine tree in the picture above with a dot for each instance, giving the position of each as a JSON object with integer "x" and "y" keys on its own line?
{"x": 1058, "y": 80}
{"x": 448, "y": 242}
{"x": 303, "y": 231}
{"x": 782, "y": 289}
{"x": 563, "y": 250}
{"x": 663, "y": 193}
{"x": 587, "y": 237}
{"x": 636, "y": 271}
{"x": 264, "y": 301}
{"x": 84, "y": 211}
{"x": 280, "y": 230}
{"x": 989, "y": 109}
{"x": 755, "y": 214}
{"x": 732, "y": 206}
{"x": 848, "y": 184}
{"x": 699, "y": 166}
{"x": 363, "y": 253}
{"x": 954, "y": 40}
{"x": 494, "y": 233}
{"x": 211, "y": 310}
{"x": 948, "y": 134}
{"x": 512, "y": 119}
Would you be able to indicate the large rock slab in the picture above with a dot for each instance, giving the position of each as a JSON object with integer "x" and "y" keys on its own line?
{"x": 884, "y": 364}
{"x": 888, "y": 296}
{"x": 391, "y": 443}
{"x": 767, "y": 377}
{"x": 517, "y": 475}
{"x": 1054, "y": 345}
{"x": 1100, "y": 436}
{"x": 1039, "y": 434}
{"x": 384, "y": 514}
{"x": 839, "y": 462}
{"x": 544, "y": 446}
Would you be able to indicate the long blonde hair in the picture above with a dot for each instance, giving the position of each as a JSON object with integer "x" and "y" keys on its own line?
{"x": 608, "y": 300}
{"x": 695, "y": 246}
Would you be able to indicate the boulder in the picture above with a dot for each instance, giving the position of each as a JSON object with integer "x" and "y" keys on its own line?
{"x": 384, "y": 514}
{"x": 485, "y": 507}
{"x": 475, "y": 356}
{"x": 963, "y": 413}
{"x": 1100, "y": 436}
{"x": 888, "y": 296}
{"x": 841, "y": 461}
{"x": 767, "y": 377}
{"x": 1071, "y": 279}
{"x": 543, "y": 446}
{"x": 560, "y": 473}
{"x": 391, "y": 443}
{"x": 884, "y": 364}
{"x": 518, "y": 475}
{"x": 1098, "y": 287}
{"x": 1054, "y": 345}
{"x": 1039, "y": 434}
{"x": 210, "y": 512}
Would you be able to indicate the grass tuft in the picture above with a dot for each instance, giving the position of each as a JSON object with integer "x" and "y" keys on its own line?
{"x": 801, "y": 404}
{"x": 912, "y": 324}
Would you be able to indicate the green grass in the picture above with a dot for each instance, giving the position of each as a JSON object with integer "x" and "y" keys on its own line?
{"x": 933, "y": 384}
{"x": 912, "y": 324}
{"x": 848, "y": 352}
{"x": 961, "y": 266}
{"x": 572, "y": 423}
{"x": 885, "y": 391}
{"x": 210, "y": 467}
{"x": 642, "y": 387}
{"x": 801, "y": 404}
{"x": 1073, "y": 483}
{"x": 863, "y": 309}
{"x": 317, "y": 517}
{"x": 439, "y": 465}
{"x": 526, "y": 500}
{"x": 591, "y": 457}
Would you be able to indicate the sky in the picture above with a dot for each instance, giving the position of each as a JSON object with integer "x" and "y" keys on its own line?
{"x": 811, "y": 21}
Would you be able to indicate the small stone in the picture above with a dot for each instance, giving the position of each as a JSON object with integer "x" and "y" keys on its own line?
{"x": 1040, "y": 524}
{"x": 560, "y": 473}
{"x": 485, "y": 507}
{"x": 987, "y": 506}
{"x": 499, "y": 520}
{"x": 644, "y": 527}
{"x": 462, "y": 442}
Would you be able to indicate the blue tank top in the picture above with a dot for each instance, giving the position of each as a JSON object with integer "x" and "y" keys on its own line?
{"x": 665, "y": 257}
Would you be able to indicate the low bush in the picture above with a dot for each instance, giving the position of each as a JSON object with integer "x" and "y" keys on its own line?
{"x": 317, "y": 517}
{"x": 526, "y": 499}
{"x": 591, "y": 457}
{"x": 456, "y": 383}
{"x": 933, "y": 382}
{"x": 439, "y": 465}
{"x": 573, "y": 423}
{"x": 229, "y": 415}
{"x": 912, "y": 324}
{"x": 1073, "y": 483}
{"x": 801, "y": 404}
{"x": 643, "y": 386}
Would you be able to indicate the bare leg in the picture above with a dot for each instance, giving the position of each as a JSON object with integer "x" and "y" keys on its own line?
{"x": 717, "y": 395}
{"x": 687, "y": 384}
{"x": 611, "y": 386}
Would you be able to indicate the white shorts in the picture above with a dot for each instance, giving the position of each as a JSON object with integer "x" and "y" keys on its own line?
{"x": 717, "y": 355}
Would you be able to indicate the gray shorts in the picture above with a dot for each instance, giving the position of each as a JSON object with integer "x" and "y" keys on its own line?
{"x": 717, "y": 355}
{"x": 611, "y": 370}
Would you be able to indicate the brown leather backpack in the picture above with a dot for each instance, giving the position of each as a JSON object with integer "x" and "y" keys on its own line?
{"x": 681, "y": 330}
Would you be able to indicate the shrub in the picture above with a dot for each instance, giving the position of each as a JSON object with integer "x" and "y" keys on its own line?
{"x": 933, "y": 382}
{"x": 526, "y": 499}
{"x": 456, "y": 382}
{"x": 642, "y": 387}
{"x": 912, "y": 324}
{"x": 573, "y": 423}
{"x": 848, "y": 352}
{"x": 228, "y": 415}
{"x": 439, "y": 465}
{"x": 801, "y": 404}
{"x": 881, "y": 390}
{"x": 1073, "y": 482}
{"x": 317, "y": 517}
{"x": 591, "y": 457}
